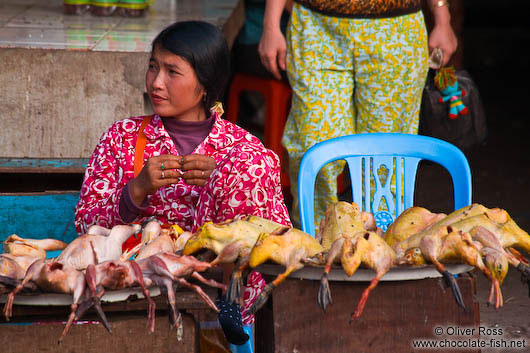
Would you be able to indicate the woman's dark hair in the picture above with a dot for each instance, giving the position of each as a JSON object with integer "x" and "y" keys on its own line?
{"x": 204, "y": 47}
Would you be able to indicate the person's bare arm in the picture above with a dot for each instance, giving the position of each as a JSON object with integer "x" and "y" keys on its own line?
{"x": 442, "y": 35}
{"x": 272, "y": 46}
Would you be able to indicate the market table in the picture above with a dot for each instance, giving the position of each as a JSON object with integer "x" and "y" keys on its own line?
{"x": 38, "y": 321}
{"x": 397, "y": 312}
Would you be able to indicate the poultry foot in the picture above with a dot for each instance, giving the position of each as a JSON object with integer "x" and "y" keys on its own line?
{"x": 261, "y": 299}
{"x": 324, "y": 293}
{"x": 451, "y": 281}
{"x": 525, "y": 275}
{"x": 87, "y": 304}
{"x": 234, "y": 287}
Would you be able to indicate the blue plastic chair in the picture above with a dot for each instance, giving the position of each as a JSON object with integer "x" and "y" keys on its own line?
{"x": 365, "y": 155}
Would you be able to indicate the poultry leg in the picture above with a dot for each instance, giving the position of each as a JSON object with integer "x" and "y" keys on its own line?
{"x": 236, "y": 280}
{"x": 267, "y": 290}
{"x": 166, "y": 287}
{"x": 78, "y": 292}
{"x": 364, "y": 297}
{"x": 199, "y": 291}
{"x": 32, "y": 273}
{"x": 490, "y": 239}
{"x": 324, "y": 293}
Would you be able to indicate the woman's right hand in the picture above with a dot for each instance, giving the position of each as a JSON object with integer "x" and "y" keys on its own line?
{"x": 272, "y": 49}
{"x": 159, "y": 171}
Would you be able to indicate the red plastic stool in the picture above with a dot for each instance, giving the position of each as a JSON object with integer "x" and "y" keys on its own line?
{"x": 277, "y": 96}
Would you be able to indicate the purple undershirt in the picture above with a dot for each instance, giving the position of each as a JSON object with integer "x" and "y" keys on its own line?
{"x": 186, "y": 136}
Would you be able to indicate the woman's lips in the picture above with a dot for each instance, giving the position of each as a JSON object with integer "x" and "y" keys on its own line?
{"x": 157, "y": 99}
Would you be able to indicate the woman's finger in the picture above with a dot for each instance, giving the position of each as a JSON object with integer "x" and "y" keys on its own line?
{"x": 197, "y": 161}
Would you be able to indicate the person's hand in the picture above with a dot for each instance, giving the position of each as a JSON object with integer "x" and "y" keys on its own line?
{"x": 157, "y": 172}
{"x": 272, "y": 49}
{"x": 197, "y": 168}
{"x": 444, "y": 38}
{"x": 442, "y": 35}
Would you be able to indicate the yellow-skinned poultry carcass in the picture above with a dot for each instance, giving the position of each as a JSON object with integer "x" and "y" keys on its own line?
{"x": 411, "y": 221}
{"x": 12, "y": 271}
{"x": 285, "y": 246}
{"x": 36, "y": 248}
{"x": 453, "y": 247}
{"x": 351, "y": 236}
{"x": 343, "y": 220}
{"x": 497, "y": 230}
{"x": 413, "y": 240}
{"x": 19, "y": 254}
{"x": 232, "y": 241}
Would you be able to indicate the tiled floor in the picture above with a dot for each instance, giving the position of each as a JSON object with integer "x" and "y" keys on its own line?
{"x": 43, "y": 24}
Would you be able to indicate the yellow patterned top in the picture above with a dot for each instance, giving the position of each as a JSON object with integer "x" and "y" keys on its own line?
{"x": 363, "y": 8}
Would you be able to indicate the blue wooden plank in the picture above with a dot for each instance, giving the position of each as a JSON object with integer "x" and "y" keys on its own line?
{"x": 39, "y": 216}
{"x": 43, "y": 163}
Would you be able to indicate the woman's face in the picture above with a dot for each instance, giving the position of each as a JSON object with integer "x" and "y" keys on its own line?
{"x": 173, "y": 87}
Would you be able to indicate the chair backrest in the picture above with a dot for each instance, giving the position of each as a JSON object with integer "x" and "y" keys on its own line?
{"x": 366, "y": 154}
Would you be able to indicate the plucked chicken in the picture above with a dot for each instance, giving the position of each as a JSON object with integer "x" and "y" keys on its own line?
{"x": 232, "y": 241}
{"x": 285, "y": 246}
{"x": 370, "y": 250}
{"x": 52, "y": 277}
{"x": 167, "y": 269}
{"x": 37, "y": 248}
{"x": 94, "y": 248}
{"x": 114, "y": 275}
{"x": 411, "y": 221}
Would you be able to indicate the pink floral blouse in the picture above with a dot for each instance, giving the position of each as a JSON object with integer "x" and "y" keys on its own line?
{"x": 245, "y": 182}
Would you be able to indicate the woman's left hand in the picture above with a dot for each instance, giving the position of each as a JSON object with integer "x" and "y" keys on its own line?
{"x": 442, "y": 35}
{"x": 197, "y": 168}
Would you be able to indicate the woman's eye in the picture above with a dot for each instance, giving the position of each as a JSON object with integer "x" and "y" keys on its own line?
{"x": 173, "y": 72}
{"x": 151, "y": 67}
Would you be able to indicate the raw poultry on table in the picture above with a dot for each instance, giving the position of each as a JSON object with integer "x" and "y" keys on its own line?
{"x": 351, "y": 236}
{"x": 482, "y": 231}
{"x": 52, "y": 277}
{"x": 285, "y": 246}
{"x": 95, "y": 248}
{"x": 232, "y": 242}
{"x": 19, "y": 254}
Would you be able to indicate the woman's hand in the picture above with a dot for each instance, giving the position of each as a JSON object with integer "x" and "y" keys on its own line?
{"x": 197, "y": 168}
{"x": 157, "y": 172}
{"x": 272, "y": 47}
{"x": 442, "y": 35}
{"x": 272, "y": 51}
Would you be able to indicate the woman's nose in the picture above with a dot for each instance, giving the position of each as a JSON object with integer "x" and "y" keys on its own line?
{"x": 158, "y": 81}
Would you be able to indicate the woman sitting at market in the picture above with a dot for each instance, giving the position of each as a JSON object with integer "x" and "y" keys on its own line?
{"x": 185, "y": 165}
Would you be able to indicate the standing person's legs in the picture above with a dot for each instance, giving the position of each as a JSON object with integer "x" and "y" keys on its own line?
{"x": 390, "y": 58}
{"x": 320, "y": 71}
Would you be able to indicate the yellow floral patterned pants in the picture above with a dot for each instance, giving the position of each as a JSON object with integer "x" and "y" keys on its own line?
{"x": 350, "y": 76}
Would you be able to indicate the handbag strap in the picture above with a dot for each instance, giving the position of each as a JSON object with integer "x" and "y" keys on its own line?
{"x": 141, "y": 140}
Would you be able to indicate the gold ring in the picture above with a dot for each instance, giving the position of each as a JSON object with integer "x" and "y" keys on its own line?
{"x": 162, "y": 174}
{"x": 162, "y": 166}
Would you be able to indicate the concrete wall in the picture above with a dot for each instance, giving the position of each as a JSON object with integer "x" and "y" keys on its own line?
{"x": 57, "y": 103}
